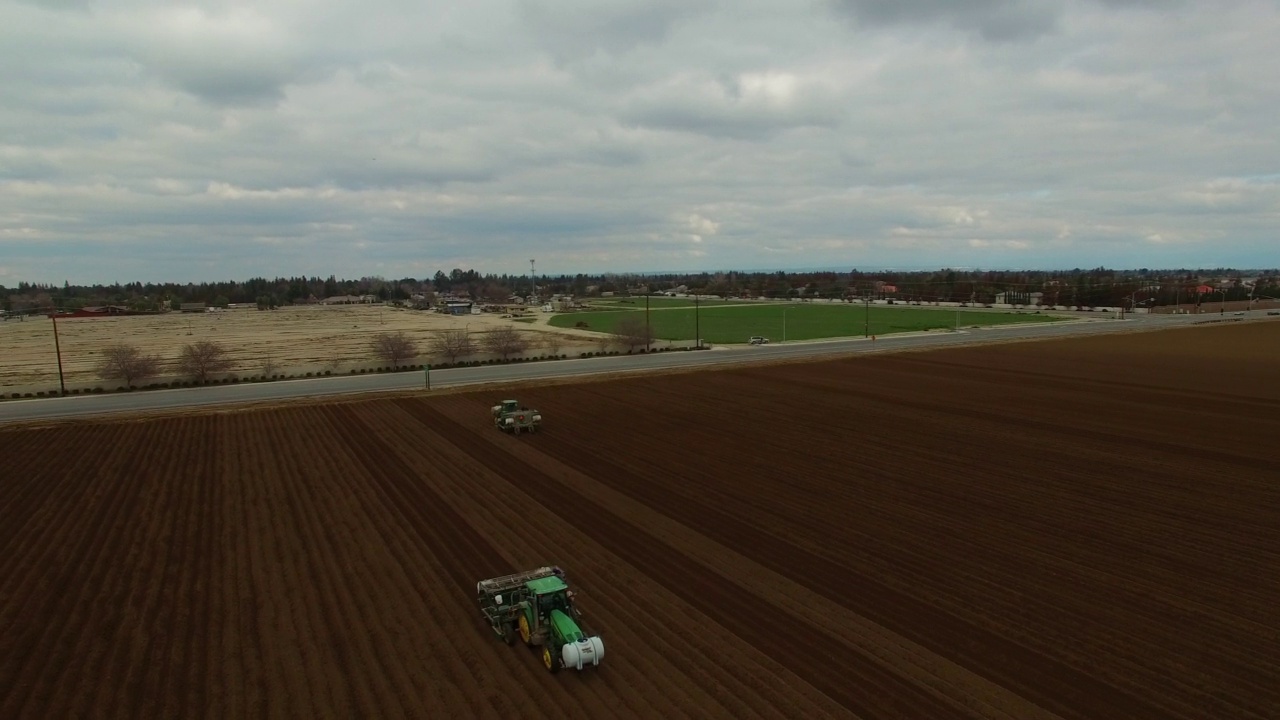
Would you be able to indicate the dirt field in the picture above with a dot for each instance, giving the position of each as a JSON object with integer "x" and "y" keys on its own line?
{"x": 296, "y": 339}
{"x": 1080, "y": 528}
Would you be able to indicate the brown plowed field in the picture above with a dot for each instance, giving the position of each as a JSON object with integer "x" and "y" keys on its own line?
{"x": 1077, "y": 529}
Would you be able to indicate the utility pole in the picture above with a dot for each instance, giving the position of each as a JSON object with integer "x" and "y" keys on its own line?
{"x": 866, "y": 317}
{"x": 57, "y": 347}
{"x": 533, "y": 279}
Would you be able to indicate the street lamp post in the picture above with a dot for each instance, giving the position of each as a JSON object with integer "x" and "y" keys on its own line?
{"x": 784, "y": 323}
{"x": 866, "y": 317}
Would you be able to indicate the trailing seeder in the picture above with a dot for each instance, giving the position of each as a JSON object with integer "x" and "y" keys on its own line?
{"x": 537, "y": 606}
{"x": 511, "y": 417}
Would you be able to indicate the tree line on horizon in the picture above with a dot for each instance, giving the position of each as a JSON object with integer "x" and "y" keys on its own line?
{"x": 1075, "y": 287}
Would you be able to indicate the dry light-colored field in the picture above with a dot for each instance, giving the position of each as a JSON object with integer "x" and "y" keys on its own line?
{"x": 297, "y": 339}
{"x": 1080, "y": 529}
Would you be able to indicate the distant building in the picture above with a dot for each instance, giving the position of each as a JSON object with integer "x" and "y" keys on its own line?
{"x": 194, "y": 307}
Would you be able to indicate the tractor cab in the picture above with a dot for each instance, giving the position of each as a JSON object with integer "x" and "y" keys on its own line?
{"x": 508, "y": 406}
{"x": 549, "y": 594}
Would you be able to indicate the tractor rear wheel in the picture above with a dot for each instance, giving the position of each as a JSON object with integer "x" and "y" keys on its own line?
{"x": 525, "y": 633}
{"x": 550, "y": 660}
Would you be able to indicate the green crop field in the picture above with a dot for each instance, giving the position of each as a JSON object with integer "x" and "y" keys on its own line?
{"x": 722, "y": 323}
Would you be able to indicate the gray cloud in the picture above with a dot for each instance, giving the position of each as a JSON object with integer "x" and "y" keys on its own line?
{"x": 224, "y": 138}
{"x": 992, "y": 19}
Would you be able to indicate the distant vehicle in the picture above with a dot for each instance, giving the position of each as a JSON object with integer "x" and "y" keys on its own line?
{"x": 758, "y": 340}
{"x": 511, "y": 417}
{"x": 1274, "y": 312}
{"x": 1239, "y": 313}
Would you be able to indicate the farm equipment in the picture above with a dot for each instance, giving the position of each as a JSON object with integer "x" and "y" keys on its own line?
{"x": 537, "y": 606}
{"x": 511, "y": 417}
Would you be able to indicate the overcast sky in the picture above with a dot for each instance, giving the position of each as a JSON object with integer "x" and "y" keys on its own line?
{"x": 223, "y": 139}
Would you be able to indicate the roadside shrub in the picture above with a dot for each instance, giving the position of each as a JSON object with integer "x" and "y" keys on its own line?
{"x": 328, "y": 372}
{"x": 15, "y": 395}
{"x": 26, "y": 395}
{"x": 39, "y": 393}
{"x": 308, "y": 374}
{"x": 97, "y": 390}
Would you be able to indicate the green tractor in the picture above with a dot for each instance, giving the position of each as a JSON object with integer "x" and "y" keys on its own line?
{"x": 537, "y": 606}
{"x": 510, "y": 416}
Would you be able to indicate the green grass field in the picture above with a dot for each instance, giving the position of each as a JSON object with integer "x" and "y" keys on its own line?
{"x": 630, "y": 303}
{"x": 721, "y": 323}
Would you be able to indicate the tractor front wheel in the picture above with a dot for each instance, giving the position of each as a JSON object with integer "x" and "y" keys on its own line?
{"x": 550, "y": 660}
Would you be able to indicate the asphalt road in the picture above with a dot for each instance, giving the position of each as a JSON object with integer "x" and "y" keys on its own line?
{"x": 87, "y": 405}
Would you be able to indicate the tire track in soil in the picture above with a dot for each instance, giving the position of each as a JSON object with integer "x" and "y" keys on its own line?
{"x": 583, "y": 455}
{"x": 908, "y": 613}
{"x": 243, "y": 680}
{"x": 880, "y": 694}
{"x": 364, "y": 518}
{"x": 178, "y": 480}
{"x": 458, "y": 481}
{"x": 441, "y": 529}
{"x": 1211, "y": 456}
{"x": 519, "y": 530}
{"x": 313, "y": 599}
{"x": 488, "y": 671}
{"x": 790, "y": 599}
{"x": 336, "y": 581}
{"x": 808, "y": 521}
{"x": 631, "y": 483}
{"x": 67, "y": 563}
{"x": 413, "y": 596}
{"x": 1036, "y": 677}
{"x": 264, "y": 685}
{"x": 283, "y": 572}
{"x": 1160, "y": 395}
{"x": 31, "y": 477}
{"x": 475, "y": 493}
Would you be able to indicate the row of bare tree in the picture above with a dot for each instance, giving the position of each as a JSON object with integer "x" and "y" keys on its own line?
{"x": 202, "y": 360}
{"x": 198, "y": 360}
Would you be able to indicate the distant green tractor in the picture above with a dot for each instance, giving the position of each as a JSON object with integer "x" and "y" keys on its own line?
{"x": 510, "y": 417}
{"x": 538, "y": 606}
